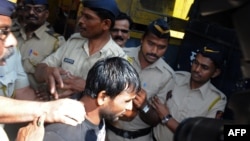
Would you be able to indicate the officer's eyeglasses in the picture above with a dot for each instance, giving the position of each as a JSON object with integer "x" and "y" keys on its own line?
{"x": 36, "y": 9}
{"x": 4, "y": 33}
{"x": 117, "y": 30}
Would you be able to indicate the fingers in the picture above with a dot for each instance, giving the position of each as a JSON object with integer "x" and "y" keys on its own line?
{"x": 52, "y": 87}
{"x": 52, "y": 84}
{"x": 70, "y": 121}
{"x": 55, "y": 79}
{"x": 35, "y": 121}
{"x": 161, "y": 108}
{"x": 63, "y": 72}
{"x": 67, "y": 82}
{"x": 140, "y": 99}
{"x": 66, "y": 94}
{"x": 155, "y": 99}
{"x": 21, "y": 134}
{"x": 42, "y": 96}
{"x": 40, "y": 121}
{"x": 33, "y": 131}
{"x": 155, "y": 102}
{"x": 139, "y": 102}
{"x": 142, "y": 93}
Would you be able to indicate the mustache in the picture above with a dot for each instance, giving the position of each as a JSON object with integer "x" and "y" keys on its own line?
{"x": 80, "y": 26}
{"x": 8, "y": 54}
{"x": 118, "y": 38}
{"x": 195, "y": 73}
{"x": 31, "y": 16}
{"x": 151, "y": 54}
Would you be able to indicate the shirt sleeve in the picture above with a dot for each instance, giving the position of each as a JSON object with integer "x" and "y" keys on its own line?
{"x": 218, "y": 108}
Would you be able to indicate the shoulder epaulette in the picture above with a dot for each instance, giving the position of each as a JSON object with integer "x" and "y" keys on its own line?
{"x": 60, "y": 39}
{"x": 181, "y": 73}
{"x": 76, "y": 36}
{"x": 54, "y": 34}
{"x": 130, "y": 60}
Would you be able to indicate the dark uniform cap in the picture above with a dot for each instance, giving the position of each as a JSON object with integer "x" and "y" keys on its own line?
{"x": 214, "y": 53}
{"x": 109, "y": 5}
{"x": 7, "y": 7}
{"x": 34, "y": 2}
{"x": 160, "y": 28}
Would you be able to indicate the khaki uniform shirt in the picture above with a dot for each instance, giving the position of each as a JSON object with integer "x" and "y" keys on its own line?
{"x": 74, "y": 56}
{"x": 183, "y": 103}
{"x": 156, "y": 80}
{"x": 12, "y": 75}
{"x": 34, "y": 49}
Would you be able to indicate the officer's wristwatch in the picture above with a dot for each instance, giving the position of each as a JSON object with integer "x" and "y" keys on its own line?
{"x": 166, "y": 119}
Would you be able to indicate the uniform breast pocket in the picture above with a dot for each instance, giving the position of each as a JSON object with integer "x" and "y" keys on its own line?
{"x": 36, "y": 57}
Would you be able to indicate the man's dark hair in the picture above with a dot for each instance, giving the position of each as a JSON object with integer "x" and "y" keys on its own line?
{"x": 124, "y": 16}
{"x": 113, "y": 75}
{"x": 104, "y": 14}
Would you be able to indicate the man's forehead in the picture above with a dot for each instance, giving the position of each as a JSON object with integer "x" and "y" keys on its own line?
{"x": 88, "y": 11}
{"x": 203, "y": 60}
{"x": 122, "y": 22}
{"x": 5, "y": 21}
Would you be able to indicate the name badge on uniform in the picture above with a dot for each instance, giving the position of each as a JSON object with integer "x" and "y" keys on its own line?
{"x": 67, "y": 60}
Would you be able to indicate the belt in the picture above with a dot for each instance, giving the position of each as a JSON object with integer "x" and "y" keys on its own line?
{"x": 128, "y": 134}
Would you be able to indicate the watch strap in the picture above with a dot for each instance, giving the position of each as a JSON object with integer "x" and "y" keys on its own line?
{"x": 166, "y": 118}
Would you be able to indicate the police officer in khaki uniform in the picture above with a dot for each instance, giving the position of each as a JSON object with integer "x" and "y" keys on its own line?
{"x": 82, "y": 50}
{"x": 18, "y": 20}
{"x": 36, "y": 41}
{"x": 120, "y": 31}
{"x": 156, "y": 78}
{"x": 193, "y": 94}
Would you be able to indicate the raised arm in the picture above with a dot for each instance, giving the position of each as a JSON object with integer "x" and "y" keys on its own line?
{"x": 64, "y": 110}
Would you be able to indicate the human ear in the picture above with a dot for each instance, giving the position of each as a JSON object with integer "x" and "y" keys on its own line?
{"x": 102, "y": 98}
{"x": 216, "y": 73}
{"x": 106, "y": 24}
